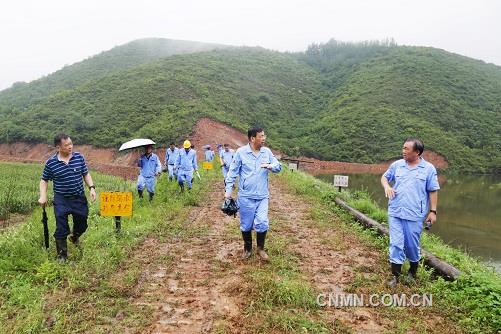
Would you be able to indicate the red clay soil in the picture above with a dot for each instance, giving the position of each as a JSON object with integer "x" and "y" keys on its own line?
{"x": 205, "y": 132}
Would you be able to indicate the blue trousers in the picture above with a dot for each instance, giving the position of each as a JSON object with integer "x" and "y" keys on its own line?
{"x": 170, "y": 168}
{"x": 148, "y": 182}
{"x": 225, "y": 171}
{"x": 253, "y": 214}
{"x": 404, "y": 240}
{"x": 65, "y": 206}
{"x": 184, "y": 176}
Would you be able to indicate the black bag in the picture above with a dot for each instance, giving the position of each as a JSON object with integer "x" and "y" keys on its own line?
{"x": 230, "y": 207}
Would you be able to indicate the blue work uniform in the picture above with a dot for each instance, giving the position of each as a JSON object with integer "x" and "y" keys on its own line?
{"x": 170, "y": 160}
{"x": 150, "y": 167}
{"x": 253, "y": 193}
{"x": 409, "y": 208}
{"x": 209, "y": 155}
{"x": 226, "y": 158}
{"x": 69, "y": 194}
{"x": 186, "y": 163}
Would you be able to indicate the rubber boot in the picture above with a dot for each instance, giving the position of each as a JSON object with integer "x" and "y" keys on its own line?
{"x": 395, "y": 271}
{"x": 247, "y": 236}
{"x": 181, "y": 186}
{"x": 151, "y": 196}
{"x": 140, "y": 192}
{"x": 412, "y": 274}
{"x": 74, "y": 238}
{"x": 261, "y": 237}
{"x": 62, "y": 250}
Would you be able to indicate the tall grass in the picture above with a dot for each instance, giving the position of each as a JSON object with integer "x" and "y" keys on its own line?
{"x": 474, "y": 300}
{"x": 38, "y": 294}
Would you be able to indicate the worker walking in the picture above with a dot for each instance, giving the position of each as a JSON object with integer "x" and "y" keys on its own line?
{"x": 170, "y": 159}
{"x": 252, "y": 163}
{"x": 226, "y": 158}
{"x": 185, "y": 165}
{"x": 150, "y": 168}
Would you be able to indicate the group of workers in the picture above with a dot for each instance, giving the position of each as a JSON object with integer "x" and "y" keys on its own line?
{"x": 410, "y": 184}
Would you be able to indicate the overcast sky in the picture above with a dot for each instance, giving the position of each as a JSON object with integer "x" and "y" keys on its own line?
{"x": 39, "y": 37}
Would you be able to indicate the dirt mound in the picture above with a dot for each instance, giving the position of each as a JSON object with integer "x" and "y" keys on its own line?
{"x": 205, "y": 132}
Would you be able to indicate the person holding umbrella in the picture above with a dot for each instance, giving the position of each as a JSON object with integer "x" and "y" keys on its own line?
{"x": 67, "y": 170}
{"x": 185, "y": 164}
{"x": 150, "y": 168}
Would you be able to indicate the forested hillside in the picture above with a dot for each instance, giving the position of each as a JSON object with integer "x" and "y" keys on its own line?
{"x": 336, "y": 101}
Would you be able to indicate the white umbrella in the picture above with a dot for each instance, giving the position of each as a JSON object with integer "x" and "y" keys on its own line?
{"x": 136, "y": 143}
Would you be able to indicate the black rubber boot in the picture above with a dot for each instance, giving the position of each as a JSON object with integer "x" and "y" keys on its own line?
{"x": 247, "y": 237}
{"x": 395, "y": 271}
{"x": 260, "y": 239}
{"x": 62, "y": 250}
{"x": 74, "y": 238}
{"x": 412, "y": 274}
{"x": 151, "y": 196}
{"x": 140, "y": 192}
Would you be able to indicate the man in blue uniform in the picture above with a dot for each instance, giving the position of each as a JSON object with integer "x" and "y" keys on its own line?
{"x": 68, "y": 170}
{"x": 209, "y": 154}
{"x": 252, "y": 163}
{"x": 170, "y": 159}
{"x": 150, "y": 168}
{"x": 413, "y": 199}
{"x": 185, "y": 165}
{"x": 226, "y": 158}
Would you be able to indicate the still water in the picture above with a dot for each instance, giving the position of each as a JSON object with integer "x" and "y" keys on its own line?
{"x": 469, "y": 211}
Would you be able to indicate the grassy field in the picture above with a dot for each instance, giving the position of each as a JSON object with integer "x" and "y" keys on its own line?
{"x": 473, "y": 301}
{"x": 37, "y": 295}
{"x": 33, "y": 286}
{"x": 19, "y": 184}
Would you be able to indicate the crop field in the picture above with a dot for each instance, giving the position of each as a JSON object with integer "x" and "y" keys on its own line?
{"x": 19, "y": 187}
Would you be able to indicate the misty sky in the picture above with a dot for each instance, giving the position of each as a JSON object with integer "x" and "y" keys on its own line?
{"x": 39, "y": 37}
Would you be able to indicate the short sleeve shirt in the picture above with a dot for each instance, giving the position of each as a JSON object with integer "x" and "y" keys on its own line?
{"x": 67, "y": 178}
{"x": 412, "y": 187}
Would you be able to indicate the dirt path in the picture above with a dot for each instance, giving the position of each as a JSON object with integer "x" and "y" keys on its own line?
{"x": 187, "y": 287}
{"x": 338, "y": 263}
{"x": 196, "y": 284}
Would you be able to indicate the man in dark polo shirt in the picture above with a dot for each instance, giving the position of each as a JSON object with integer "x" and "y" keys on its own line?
{"x": 68, "y": 170}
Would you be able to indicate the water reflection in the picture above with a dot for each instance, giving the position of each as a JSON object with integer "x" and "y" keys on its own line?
{"x": 469, "y": 211}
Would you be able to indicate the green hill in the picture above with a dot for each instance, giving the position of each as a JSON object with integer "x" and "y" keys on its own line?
{"x": 339, "y": 101}
{"x": 22, "y": 95}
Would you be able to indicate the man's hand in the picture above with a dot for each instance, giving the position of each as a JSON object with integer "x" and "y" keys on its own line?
{"x": 389, "y": 192}
{"x": 92, "y": 194}
{"x": 267, "y": 166}
{"x": 227, "y": 195}
{"x": 432, "y": 218}
{"x": 42, "y": 200}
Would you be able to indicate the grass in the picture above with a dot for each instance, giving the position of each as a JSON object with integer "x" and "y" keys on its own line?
{"x": 38, "y": 295}
{"x": 473, "y": 301}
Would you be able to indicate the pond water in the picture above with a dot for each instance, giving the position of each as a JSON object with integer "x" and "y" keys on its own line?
{"x": 469, "y": 211}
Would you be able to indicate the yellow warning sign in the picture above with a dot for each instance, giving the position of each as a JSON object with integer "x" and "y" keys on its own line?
{"x": 115, "y": 204}
{"x": 207, "y": 165}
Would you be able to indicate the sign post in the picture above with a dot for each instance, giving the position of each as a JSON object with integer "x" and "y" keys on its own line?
{"x": 293, "y": 166}
{"x": 340, "y": 181}
{"x": 206, "y": 165}
{"x": 115, "y": 204}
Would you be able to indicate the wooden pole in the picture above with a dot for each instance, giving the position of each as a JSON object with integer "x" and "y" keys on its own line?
{"x": 443, "y": 268}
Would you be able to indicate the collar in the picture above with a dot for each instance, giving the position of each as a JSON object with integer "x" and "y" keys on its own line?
{"x": 249, "y": 149}
{"x": 421, "y": 164}
{"x": 56, "y": 156}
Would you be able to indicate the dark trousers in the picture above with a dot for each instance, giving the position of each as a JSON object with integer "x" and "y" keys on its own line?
{"x": 75, "y": 206}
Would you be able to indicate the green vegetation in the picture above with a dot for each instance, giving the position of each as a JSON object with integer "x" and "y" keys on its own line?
{"x": 38, "y": 295}
{"x": 336, "y": 101}
{"x": 20, "y": 188}
{"x": 473, "y": 301}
